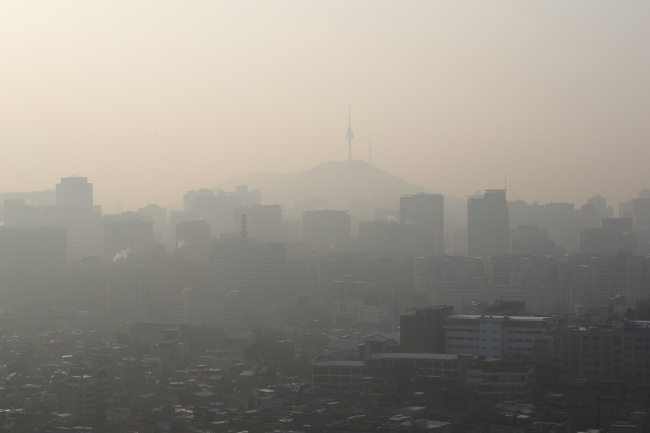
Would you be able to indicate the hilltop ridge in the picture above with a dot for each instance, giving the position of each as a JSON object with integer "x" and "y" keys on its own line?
{"x": 338, "y": 182}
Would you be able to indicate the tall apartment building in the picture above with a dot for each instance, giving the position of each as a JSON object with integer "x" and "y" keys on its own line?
{"x": 618, "y": 353}
{"x": 125, "y": 233}
{"x": 264, "y": 221}
{"x": 256, "y": 270}
{"x": 451, "y": 280}
{"x": 613, "y": 236}
{"x": 503, "y": 337}
{"x": 426, "y": 210}
{"x": 74, "y": 191}
{"x": 378, "y": 373}
{"x": 31, "y": 259}
{"x": 422, "y": 331}
{"x": 488, "y": 230}
{"x": 75, "y": 211}
{"x": 78, "y": 395}
{"x": 193, "y": 240}
{"x": 612, "y": 275}
{"x": 326, "y": 228}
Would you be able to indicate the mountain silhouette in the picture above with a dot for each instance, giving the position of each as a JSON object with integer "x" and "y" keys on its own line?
{"x": 336, "y": 183}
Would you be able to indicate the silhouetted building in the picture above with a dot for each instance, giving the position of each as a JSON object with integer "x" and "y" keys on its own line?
{"x": 426, "y": 210}
{"x": 74, "y": 211}
{"x": 560, "y": 219}
{"x": 641, "y": 212}
{"x": 256, "y": 270}
{"x": 217, "y": 211}
{"x": 263, "y": 221}
{"x": 74, "y": 191}
{"x": 422, "y": 331}
{"x": 502, "y": 337}
{"x": 393, "y": 238}
{"x": 615, "y": 354}
{"x": 325, "y": 229}
{"x": 124, "y": 234}
{"x": 193, "y": 240}
{"x": 78, "y": 395}
{"x": 190, "y": 196}
{"x": 451, "y": 280}
{"x": 488, "y": 224}
{"x": 30, "y": 261}
{"x": 356, "y": 302}
{"x": 533, "y": 241}
{"x": 615, "y": 235}
{"x": 247, "y": 197}
{"x": 158, "y": 215}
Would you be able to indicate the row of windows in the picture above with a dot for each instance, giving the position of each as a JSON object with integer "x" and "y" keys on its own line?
{"x": 345, "y": 371}
{"x": 461, "y": 330}
{"x": 461, "y": 346}
{"x": 525, "y": 332}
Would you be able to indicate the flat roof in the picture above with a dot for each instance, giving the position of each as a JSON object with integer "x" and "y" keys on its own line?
{"x": 494, "y": 316}
{"x": 338, "y": 363}
{"x": 399, "y": 355}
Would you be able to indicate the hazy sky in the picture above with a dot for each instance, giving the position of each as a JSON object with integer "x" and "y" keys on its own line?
{"x": 151, "y": 98}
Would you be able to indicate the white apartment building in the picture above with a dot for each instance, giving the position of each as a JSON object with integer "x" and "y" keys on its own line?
{"x": 501, "y": 337}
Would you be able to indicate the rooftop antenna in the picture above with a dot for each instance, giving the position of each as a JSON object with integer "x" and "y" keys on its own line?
{"x": 350, "y": 134}
{"x": 512, "y": 190}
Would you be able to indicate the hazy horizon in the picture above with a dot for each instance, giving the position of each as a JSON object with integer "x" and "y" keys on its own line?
{"x": 152, "y": 99}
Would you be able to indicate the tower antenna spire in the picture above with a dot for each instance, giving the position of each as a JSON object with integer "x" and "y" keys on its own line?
{"x": 350, "y": 134}
{"x": 369, "y": 150}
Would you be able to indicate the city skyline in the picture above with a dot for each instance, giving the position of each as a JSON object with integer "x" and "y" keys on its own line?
{"x": 176, "y": 203}
{"x": 154, "y": 100}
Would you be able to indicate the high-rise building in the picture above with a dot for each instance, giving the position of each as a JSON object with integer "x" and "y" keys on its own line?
{"x": 426, "y": 210}
{"x": 614, "y": 236}
{"x": 30, "y": 261}
{"x": 393, "y": 238}
{"x": 74, "y": 191}
{"x": 488, "y": 224}
{"x": 256, "y": 270}
{"x": 607, "y": 354}
{"x": 422, "y": 331}
{"x": 263, "y": 221}
{"x": 502, "y": 337}
{"x": 326, "y": 228}
{"x": 158, "y": 215}
{"x": 74, "y": 210}
{"x": 641, "y": 212}
{"x": 217, "y": 211}
{"x": 125, "y": 233}
{"x": 78, "y": 395}
{"x": 193, "y": 240}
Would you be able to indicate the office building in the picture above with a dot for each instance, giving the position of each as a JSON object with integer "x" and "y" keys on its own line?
{"x": 617, "y": 354}
{"x": 264, "y": 222}
{"x": 501, "y": 337}
{"x": 217, "y": 210}
{"x": 255, "y": 270}
{"x": 422, "y": 331}
{"x": 78, "y": 395}
{"x": 426, "y": 210}
{"x": 31, "y": 259}
{"x": 193, "y": 241}
{"x": 614, "y": 236}
{"x": 488, "y": 224}
{"x": 390, "y": 237}
{"x": 75, "y": 211}
{"x": 125, "y": 234}
{"x": 74, "y": 191}
{"x": 325, "y": 229}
